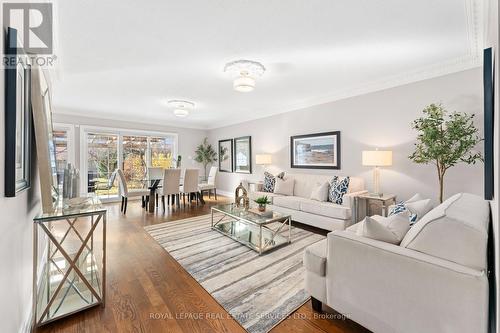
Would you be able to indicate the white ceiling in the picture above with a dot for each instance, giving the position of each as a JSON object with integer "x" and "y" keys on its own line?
{"x": 124, "y": 59}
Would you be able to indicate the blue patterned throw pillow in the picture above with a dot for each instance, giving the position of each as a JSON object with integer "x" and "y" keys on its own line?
{"x": 401, "y": 207}
{"x": 337, "y": 189}
{"x": 270, "y": 181}
{"x": 398, "y": 208}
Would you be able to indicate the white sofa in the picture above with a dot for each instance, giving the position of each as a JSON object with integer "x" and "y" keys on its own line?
{"x": 435, "y": 281}
{"x": 324, "y": 215}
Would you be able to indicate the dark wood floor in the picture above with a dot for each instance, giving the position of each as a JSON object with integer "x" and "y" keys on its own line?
{"x": 144, "y": 282}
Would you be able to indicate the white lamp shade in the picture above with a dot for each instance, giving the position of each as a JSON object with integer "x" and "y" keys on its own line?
{"x": 263, "y": 159}
{"x": 377, "y": 158}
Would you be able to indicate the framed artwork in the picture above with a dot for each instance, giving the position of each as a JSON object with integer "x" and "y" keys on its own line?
{"x": 226, "y": 155}
{"x": 243, "y": 154}
{"x": 315, "y": 151}
{"x": 42, "y": 119}
{"x": 18, "y": 121}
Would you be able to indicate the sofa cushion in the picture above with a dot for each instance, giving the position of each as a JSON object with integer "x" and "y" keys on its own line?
{"x": 328, "y": 209}
{"x": 456, "y": 230}
{"x": 284, "y": 186}
{"x": 256, "y": 194}
{"x": 315, "y": 257}
{"x": 305, "y": 183}
{"x": 290, "y": 202}
{"x": 320, "y": 192}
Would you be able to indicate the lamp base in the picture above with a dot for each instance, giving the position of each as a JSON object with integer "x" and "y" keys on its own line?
{"x": 380, "y": 195}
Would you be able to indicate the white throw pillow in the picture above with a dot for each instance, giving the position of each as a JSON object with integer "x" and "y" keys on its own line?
{"x": 419, "y": 208}
{"x": 370, "y": 228}
{"x": 416, "y": 197}
{"x": 320, "y": 192}
{"x": 284, "y": 186}
{"x": 397, "y": 225}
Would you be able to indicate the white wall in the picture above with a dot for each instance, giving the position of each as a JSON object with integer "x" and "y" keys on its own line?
{"x": 188, "y": 138}
{"x": 381, "y": 119}
{"x": 16, "y": 225}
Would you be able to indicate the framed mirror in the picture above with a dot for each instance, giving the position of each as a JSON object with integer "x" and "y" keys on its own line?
{"x": 226, "y": 155}
{"x": 18, "y": 122}
{"x": 243, "y": 154}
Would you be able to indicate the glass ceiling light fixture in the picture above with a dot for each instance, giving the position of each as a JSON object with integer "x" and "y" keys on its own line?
{"x": 181, "y": 108}
{"x": 245, "y": 72}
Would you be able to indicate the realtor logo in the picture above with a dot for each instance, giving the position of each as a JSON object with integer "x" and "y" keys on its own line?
{"x": 33, "y": 22}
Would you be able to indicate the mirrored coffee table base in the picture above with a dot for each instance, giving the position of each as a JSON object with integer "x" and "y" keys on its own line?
{"x": 261, "y": 234}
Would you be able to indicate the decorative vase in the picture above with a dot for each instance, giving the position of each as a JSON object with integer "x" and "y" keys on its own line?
{"x": 262, "y": 207}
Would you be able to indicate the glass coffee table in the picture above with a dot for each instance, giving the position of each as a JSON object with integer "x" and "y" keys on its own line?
{"x": 260, "y": 233}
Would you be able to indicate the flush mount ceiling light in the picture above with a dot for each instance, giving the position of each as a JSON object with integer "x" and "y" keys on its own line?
{"x": 245, "y": 72}
{"x": 181, "y": 108}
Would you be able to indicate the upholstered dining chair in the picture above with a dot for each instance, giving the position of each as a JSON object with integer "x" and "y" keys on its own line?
{"x": 153, "y": 174}
{"x": 171, "y": 183}
{"x": 126, "y": 193}
{"x": 210, "y": 186}
{"x": 190, "y": 185}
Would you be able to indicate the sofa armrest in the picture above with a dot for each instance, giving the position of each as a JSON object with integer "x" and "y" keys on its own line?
{"x": 389, "y": 288}
{"x": 348, "y": 198}
{"x": 348, "y": 201}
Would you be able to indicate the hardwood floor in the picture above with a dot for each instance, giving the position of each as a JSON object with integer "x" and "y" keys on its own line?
{"x": 148, "y": 291}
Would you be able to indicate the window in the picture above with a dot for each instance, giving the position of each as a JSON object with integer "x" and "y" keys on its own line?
{"x": 162, "y": 151}
{"x": 102, "y": 161}
{"x": 104, "y": 150}
{"x": 135, "y": 165}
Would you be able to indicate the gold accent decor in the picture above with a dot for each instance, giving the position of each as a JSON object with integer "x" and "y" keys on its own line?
{"x": 244, "y": 196}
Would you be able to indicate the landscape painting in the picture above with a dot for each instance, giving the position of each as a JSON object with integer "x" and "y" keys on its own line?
{"x": 315, "y": 151}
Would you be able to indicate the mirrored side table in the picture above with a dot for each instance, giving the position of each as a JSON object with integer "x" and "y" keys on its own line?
{"x": 69, "y": 259}
{"x": 384, "y": 201}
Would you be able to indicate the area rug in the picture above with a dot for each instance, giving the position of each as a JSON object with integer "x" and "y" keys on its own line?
{"x": 258, "y": 291}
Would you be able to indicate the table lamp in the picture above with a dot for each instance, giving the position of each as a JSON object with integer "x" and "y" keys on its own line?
{"x": 263, "y": 159}
{"x": 377, "y": 159}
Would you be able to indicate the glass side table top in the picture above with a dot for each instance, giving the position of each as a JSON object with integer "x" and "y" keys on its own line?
{"x": 71, "y": 207}
{"x": 242, "y": 213}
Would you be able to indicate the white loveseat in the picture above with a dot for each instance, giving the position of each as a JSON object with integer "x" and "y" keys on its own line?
{"x": 324, "y": 215}
{"x": 435, "y": 281}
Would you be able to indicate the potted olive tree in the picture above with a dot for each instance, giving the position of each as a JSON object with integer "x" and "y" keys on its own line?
{"x": 445, "y": 139}
{"x": 205, "y": 154}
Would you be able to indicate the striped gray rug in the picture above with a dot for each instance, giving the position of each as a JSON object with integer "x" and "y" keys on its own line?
{"x": 258, "y": 291}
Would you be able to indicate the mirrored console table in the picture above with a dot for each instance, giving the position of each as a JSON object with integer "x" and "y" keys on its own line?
{"x": 69, "y": 259}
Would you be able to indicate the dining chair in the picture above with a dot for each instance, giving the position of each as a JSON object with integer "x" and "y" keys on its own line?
{"x": 126, "y": 193}
{"x": 107, "y": 185}
{"x": 190, "y": 185}
{"x": 155, "y": 173}
{"x": 171, "y": 183}
{"x": 210, "y": 184}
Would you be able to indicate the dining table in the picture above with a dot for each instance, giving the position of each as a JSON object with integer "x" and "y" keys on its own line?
{"x": 154, "y": 184}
